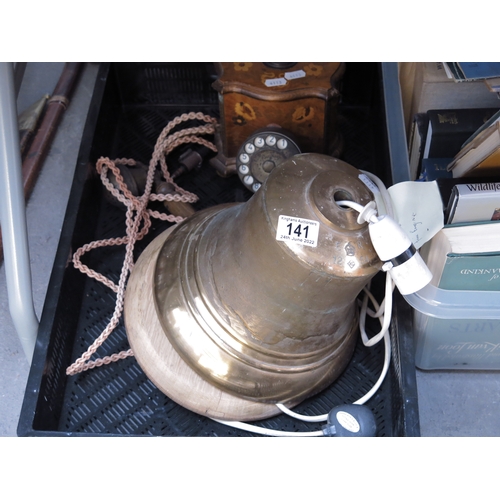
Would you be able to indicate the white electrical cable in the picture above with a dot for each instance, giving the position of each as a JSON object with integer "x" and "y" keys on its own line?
{"x": 386, "y": 197}
{"x": 384, "y": 333}
{"x": 389, "y": 287}
{"x": 385, "y": 321}
{"x": 362, "y": 400}
{"x": 268, "y": 432}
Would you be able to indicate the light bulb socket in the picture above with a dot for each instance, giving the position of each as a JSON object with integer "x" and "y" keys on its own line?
{"x": 402, "y": 260}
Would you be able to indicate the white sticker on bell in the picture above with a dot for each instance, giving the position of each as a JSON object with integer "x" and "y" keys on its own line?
{"x": 275, "y": 82}
{"x": 292, "y": 75}
{"x": 297, "y": 230}
{"x": 347, "y": 421}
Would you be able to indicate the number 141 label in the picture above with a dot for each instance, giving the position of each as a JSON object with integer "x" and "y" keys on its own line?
{"x": 296, "y": 230}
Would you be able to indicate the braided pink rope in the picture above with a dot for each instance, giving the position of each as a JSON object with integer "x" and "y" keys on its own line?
{"x": 137, "y": 214}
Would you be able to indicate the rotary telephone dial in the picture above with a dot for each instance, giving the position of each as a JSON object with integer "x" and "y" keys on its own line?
{"x": 265, "y": 149}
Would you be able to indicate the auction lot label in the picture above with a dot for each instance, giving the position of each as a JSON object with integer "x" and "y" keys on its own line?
{"x": 296, "y": 230}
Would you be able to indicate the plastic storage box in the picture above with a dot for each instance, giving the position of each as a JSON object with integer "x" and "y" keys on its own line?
{"x": 456, "y": 329}
{"x": 131, "y": 104}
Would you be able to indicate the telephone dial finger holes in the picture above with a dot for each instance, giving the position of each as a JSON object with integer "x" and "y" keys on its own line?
{"x": 270, "y": 140}
{"x": 261, "y": 153}
{"x": 282, "y": 144}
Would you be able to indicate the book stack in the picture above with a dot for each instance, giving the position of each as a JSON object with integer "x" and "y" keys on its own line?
{"x": 457, "y": 322}
{"x": 472, "y": 229}
{"x": 470, "y": 236}
{"x": 472, "y": 71}
{"x": 427, "y": 85}
{"x": 439, "y": 135}
{"x": 465, "y": 257}
{"x": 487, "y": 72}
{"x": 459, "y": 149}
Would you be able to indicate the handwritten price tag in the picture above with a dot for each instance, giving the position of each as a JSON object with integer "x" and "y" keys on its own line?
{"x": 296, "y": 230}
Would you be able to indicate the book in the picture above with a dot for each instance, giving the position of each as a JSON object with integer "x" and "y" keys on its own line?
{"x": 449, "y": 128}
{"x": 488, "y": 123}
{"x": 425, "y": 86}
{"x": 493, "y": 84}
{"x": 470, "y": 71}
{"x": 471, "y": 272}
{"x": 481, "y": 156}
{"x": 435, "y": 168}
{"x": 463, "y": 270}
{"x": 446, "y": 185}
{"x": 465, "y": 257}
{"x": 474, "y": 202}
{"x": 417, "y": 143}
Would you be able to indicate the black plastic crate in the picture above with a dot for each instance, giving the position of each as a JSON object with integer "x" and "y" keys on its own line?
{"x": 132, "y": 102}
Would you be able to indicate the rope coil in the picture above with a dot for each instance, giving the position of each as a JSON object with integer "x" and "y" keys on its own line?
{"x": 138, "y": 220}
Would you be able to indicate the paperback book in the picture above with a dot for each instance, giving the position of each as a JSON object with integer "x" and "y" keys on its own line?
{"x": 481, "y": 156}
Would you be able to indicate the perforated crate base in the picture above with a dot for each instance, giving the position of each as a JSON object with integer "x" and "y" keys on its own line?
{"x": 118, "y": 399}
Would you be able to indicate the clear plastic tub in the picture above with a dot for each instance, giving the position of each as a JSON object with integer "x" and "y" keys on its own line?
{"x": 455, "y": 329}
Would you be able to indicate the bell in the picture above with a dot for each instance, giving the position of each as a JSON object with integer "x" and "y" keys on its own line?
{"x": 245, "y": 305}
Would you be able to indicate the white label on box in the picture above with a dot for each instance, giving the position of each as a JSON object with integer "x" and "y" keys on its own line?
{"x": 297, "y": 230}
{"x": 293, "y": 75}
{"x": 275, "y": 82}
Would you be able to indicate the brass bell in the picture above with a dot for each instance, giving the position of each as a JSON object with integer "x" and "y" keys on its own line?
{"x": 245, "y": 305}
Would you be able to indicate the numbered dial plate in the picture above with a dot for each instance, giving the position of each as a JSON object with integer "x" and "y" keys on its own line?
{"x": 260, "y": 154}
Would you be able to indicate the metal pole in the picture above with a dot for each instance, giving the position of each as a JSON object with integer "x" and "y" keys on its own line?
{"x": 13, "y": 218}
{"x": 396, "y": 132}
